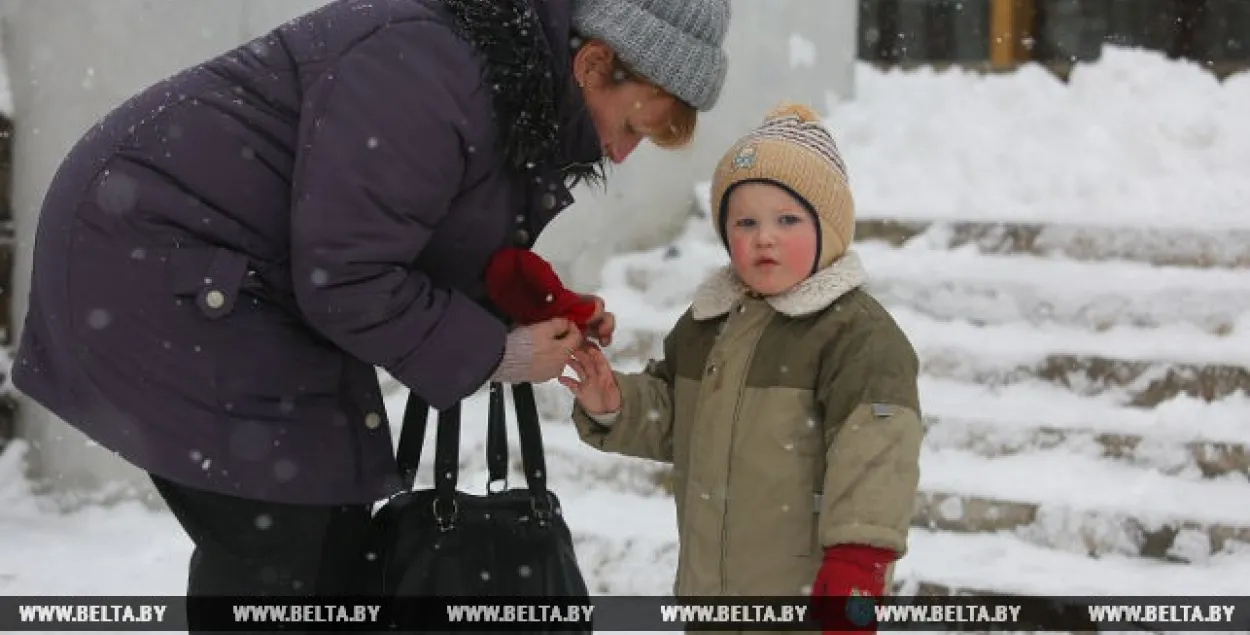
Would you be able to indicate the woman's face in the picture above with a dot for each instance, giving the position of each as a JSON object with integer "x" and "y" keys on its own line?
{"x": 624, "y": 111}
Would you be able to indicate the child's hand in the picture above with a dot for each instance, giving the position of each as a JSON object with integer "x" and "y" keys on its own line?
{"x": 596, "y": 391}
{"x": 601, "y": 323}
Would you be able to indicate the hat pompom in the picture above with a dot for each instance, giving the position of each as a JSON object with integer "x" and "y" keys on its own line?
{"x": 791, "y": 109}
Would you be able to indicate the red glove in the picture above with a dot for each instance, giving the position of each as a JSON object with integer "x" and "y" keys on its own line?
{"x": 527, "y": 290}
{"x": 847, "y": 571}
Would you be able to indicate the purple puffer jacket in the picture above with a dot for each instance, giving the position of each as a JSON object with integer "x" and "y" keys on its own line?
{"x": 223, "y": 260}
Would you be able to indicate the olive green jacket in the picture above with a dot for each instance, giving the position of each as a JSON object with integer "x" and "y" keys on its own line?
{"x": 792, "y": 423}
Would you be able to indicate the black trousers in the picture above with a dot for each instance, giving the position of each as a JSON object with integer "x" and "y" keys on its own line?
{"x": 254, "y": 548}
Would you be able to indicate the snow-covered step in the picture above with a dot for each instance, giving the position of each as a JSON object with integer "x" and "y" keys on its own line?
{"x": 990, "y": 438}
{"x": 997, "y": 289}
{"x": 1149, "y": 365}
{"x": 1183, "y": 435}
{"x": 1007, "y": 564}
{"x": 1075, "y": 501}
{"x": 1088, "y": 531}
{"x": 1187, "y": 246}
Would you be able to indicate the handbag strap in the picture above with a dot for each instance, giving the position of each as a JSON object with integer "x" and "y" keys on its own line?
{"x": 496, "y": 440}
{"x": 447, "y": 441}
{"x": 533, "y": 459}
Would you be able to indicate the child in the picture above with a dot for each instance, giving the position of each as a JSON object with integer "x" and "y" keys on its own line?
{"x": 786, "y": 399}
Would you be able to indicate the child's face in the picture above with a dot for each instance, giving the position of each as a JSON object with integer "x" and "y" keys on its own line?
{"x": 771, "y": 236}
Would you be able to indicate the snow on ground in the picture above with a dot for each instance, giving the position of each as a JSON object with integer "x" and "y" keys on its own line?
{"x": 1135, "y": 139}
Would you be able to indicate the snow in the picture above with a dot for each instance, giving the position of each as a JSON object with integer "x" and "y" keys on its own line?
{"x": 802, "y": 51}
{"x": 1135, "y": 141}
{"x": 967, "y": 561}
{"x": 1013, "y": 288}
{"x": 1121, "y": 488}
{"x": 1033, "y": 403}
{"x": 1008, "y": 345}
{"x": 1135, "y": 136}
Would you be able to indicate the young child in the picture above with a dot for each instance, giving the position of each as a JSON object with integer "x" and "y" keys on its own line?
{"x": 786, "y": 400}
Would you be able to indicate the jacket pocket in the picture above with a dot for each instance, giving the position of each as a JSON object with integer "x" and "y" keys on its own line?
{"x": 268, "y": 364}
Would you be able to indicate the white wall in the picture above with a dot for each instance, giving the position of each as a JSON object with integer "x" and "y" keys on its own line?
{"x": 648, "y": 196}
{"x": 69, "y": 63}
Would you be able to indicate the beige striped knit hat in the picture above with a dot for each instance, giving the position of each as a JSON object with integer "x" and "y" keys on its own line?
{"x": 793, "y": 149}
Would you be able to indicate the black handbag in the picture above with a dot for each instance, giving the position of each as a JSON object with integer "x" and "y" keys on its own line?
{"x": 506, "y": 542}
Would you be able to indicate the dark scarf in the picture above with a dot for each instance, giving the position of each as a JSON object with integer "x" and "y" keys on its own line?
{"x": 534, "y": 109}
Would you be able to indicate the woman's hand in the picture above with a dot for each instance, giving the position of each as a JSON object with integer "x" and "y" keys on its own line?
{"x": 538, "y": 352}
{"x": 596, "y": 388}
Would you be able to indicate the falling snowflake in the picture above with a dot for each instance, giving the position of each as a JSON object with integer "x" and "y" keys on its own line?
{"x": 99, "y": 319}
{"x": 285, "y": 470}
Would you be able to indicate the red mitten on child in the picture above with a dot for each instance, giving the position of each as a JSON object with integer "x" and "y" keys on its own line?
{"x": 849, "y": 571}
{"x": 525, "y": 287}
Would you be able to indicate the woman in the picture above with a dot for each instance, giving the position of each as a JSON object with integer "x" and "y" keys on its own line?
{"x": 224, "y": 259}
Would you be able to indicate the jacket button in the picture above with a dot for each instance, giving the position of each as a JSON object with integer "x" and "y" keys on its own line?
{"x": 215, "y": 299}
{"x": 549, "y": 201}
{"x": 522, "y": 237}
{"x": 711, "y": 369}
{"x": 373, "y": 420}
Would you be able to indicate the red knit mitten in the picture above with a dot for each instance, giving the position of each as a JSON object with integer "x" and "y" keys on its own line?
{"x": 849, "y": 571}
{"x": 527, "y": 290}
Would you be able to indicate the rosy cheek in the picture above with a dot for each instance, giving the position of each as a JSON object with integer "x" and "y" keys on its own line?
{"x": 739, "y": 246}
{"x": 804, "y": 248}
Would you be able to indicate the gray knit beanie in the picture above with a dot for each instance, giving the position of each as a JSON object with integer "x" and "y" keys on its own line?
{"x": 675, "y": 44}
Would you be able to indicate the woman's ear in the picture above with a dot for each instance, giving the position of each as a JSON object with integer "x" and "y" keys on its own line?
{"x": 592, "y": 64}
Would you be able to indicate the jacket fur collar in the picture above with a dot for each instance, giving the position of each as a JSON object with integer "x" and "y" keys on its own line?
{"x": 717, "y": 295}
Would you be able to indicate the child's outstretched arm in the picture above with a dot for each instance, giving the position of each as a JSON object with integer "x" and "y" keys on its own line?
{"x": 630, "y": 414}
{"x": 873, "y": 431}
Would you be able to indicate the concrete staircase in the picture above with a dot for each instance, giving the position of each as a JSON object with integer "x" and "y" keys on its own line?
{"x": 1114, "y": 364}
